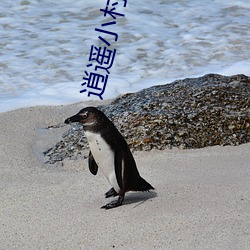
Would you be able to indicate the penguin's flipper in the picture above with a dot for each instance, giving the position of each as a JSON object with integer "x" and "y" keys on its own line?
{"x": 111, "y": 193}
{"x": 93, "y": 167}
{"x": 118, "y": 166}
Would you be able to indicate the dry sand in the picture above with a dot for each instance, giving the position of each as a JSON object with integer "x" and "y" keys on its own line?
{"x": 201, "y": 201}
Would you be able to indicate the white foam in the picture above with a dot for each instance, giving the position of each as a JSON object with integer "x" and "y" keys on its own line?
{"x": 242, "y": 67}
{"x": 45, "y": 46}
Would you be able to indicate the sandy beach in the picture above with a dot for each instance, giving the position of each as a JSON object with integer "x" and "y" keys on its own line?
{"x": 201, "y": 198}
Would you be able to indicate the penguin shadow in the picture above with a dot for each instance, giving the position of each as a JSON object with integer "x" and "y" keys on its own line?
{"x": 137, "y": 198}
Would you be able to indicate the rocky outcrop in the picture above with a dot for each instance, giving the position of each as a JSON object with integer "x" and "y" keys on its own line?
{"x": 190, "y": 113}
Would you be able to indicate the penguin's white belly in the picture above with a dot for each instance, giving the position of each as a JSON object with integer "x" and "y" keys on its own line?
{"x": 104, "y": 157}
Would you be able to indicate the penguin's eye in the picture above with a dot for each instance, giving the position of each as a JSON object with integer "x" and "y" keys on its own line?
{"x": 84, "y": 115}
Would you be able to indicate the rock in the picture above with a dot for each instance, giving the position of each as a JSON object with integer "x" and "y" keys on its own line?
{"x": 190, "y": 113}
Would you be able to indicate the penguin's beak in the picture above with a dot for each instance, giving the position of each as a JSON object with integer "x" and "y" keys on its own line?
{"x": 74, "y": 118}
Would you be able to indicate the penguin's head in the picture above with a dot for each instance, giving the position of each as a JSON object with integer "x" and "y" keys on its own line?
{"x": 88, "y": 117}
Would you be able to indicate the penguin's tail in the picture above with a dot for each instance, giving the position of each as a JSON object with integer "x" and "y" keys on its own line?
{"x": 141, "y": 185}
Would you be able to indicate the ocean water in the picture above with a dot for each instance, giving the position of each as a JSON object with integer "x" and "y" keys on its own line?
{"x": 45, "y": 46}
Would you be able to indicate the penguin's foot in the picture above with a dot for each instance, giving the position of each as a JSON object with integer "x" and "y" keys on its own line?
{"x": 111, "y": 193}
{"x": 113, "y": 204}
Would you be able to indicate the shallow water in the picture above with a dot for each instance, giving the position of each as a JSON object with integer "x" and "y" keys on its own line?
{"x": 45, "y": 46}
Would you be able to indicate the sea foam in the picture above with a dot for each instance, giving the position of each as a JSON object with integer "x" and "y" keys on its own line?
{"x": 45, "y": 46}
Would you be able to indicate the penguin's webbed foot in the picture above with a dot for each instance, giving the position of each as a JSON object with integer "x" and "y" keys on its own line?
{"x": 113, "y": 204}
{"x": 111, "y": 193}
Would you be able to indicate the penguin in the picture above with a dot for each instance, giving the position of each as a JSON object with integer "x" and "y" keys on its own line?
{"x": 110, "y": 152}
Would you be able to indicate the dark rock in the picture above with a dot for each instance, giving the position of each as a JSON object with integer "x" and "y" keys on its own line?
{"x": 190, "y": 113}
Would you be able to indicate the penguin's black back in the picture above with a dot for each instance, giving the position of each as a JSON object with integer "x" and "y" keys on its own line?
{"x": 132, "y": 180}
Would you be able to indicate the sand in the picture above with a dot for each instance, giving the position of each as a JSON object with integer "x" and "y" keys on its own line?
{"x": 201, "y": 200}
